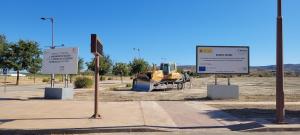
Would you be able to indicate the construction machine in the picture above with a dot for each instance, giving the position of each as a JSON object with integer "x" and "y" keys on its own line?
{"x": 166, "y": 77}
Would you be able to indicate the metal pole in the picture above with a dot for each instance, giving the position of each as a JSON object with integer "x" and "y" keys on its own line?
{"x": 65, "y": 80}
{"x": 139, "y": 52}
{"x": 216, "y": 81}
{"x": 52, "y": 27}
{"x": 52, "y": 47}
{"x": 280, "y": 110}
{"x": 5, "y": 83}
{"x": 228, "y": 80}
{"x": 96, "y": 115}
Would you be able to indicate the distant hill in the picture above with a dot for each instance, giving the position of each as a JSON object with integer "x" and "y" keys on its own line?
{"x": 287, "y": 67}
{"x": 191, "y": 68}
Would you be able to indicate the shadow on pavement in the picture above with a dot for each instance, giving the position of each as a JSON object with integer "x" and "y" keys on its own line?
{"x": 9, "y": 120}
{"x": 252, "y": 118}
{"x": 111, "y": 129}
{"x": 197, "y": 99}
{"x": 235, "y": 123}
{"x": 20, "y": 99}
{"x": 252, "y": 113}
{"x": 26, "y": 99}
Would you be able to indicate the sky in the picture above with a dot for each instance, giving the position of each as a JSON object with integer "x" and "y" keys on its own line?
{"x": 163, "y": 30}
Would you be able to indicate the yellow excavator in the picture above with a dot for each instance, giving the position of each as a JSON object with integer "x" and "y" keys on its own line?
{"x": 165, "y": 78}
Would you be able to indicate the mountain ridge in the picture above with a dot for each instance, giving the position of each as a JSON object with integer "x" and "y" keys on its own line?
{"x": 287, "y": 67}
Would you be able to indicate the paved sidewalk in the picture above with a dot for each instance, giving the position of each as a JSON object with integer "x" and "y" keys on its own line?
{"x": 54, "y": 116}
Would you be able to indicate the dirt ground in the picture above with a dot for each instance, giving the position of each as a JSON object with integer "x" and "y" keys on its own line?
{"x": 251, "y": 89}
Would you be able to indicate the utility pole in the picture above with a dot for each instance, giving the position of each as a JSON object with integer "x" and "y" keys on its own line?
{"x": 280, "y": 110}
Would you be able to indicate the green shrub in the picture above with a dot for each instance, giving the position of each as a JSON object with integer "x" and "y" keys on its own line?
{"x": 102, "y": 78}
{"x": 45, "y": 80}
{"x": 83, "y": 82}
{"x": 128, "y": 85}
{"x": 109, "y": 78}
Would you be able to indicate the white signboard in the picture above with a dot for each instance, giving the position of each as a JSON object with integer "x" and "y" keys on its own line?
{"x": 222, "y": 59}
{"x": 60, "y": 61}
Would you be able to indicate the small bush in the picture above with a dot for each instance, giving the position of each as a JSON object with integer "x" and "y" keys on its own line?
{"x": 131, "y": 77}
{"x": 45, "y": 80}
{"x": 83, "y": 82}
{"x": 128, "y": 85}
{"x": 109, "y": 78}
{"x": 102, "y": 78}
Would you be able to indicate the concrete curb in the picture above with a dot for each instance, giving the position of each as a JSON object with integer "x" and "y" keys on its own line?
{"x": 81, "y": 130}
{"x": 129, "y": 129}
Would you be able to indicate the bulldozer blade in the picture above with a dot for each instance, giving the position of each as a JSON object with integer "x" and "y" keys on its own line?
{"x": 142, "y": 85}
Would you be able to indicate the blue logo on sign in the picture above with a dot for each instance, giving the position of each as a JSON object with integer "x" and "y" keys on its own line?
{"x": 202, "y": 68}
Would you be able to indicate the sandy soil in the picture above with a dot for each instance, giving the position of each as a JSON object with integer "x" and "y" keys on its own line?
{"x": 251, "y": 89}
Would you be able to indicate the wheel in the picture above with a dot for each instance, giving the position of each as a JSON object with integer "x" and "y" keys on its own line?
{"x": 180, "y": 86}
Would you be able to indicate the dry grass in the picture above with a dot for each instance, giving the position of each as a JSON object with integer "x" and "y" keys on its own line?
{"x": 251, "y": 89}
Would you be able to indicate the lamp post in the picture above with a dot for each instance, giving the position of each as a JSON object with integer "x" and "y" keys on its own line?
{"x": 138, "y": 50}
{"x": 280, "y": 111}
{"x": 52, "y": 44}
{"x": 163, "y": 59}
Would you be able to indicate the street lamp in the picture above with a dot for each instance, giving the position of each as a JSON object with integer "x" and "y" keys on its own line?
{"x": 163, "y": 59}
{"x": 138, "y": 50}
{"x": 280, "y": 111}
{"x": 52, "y": 45}
{"x": 62, "y": 45}
{"x": 52, "y": 25}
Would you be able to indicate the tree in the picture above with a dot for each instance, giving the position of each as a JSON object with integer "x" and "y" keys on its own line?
{"x": 80, "y": 65}
{"x": 138, "y": 65}
{"x": 35, "y": 67}
{"x": 3, "y": 51}
{"x": 105, "y": 64}
{"x": 22, "y": 55}
{"x": 3, "y": 43}
{"x": 120, "y": 69}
